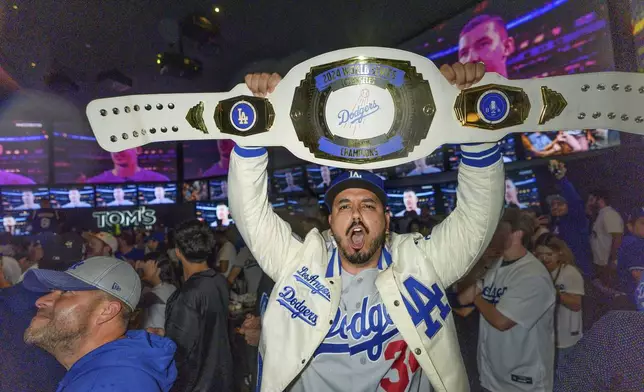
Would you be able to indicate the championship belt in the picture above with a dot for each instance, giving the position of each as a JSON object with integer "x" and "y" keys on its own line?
{"x": 372, "y": 108}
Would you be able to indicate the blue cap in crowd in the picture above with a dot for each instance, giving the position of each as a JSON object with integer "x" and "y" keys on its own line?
{"x": 155, "y": 236}
{"x": 356, "y": 179}
{"x": 635, "y": 214}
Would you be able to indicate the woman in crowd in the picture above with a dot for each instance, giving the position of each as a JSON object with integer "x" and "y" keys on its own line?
{"x": 157, "y": 273}
{"x": 558, "y": 259}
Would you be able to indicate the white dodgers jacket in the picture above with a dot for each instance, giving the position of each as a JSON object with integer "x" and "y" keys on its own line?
{"x": 414, "y": 271}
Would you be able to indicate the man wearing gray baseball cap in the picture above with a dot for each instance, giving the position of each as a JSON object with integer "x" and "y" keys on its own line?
{"x": 82, "y": 321}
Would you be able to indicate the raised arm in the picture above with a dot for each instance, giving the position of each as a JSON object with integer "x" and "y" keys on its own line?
{"x": 268, "y": 237}
{"x": 459, "y": 241}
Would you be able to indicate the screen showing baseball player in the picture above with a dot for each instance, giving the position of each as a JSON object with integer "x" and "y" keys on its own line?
{"x": 288, "y": 180}
{"x": 405, "y": 202}
{"x": 116, "y": 195}
{"x": 320, "y": 176}
{"x": 16, "y": 224}
{"x": 72, "y": 197}
{"x": 363, "y": 308}
{"x": 154, "y": 194}
{"x": 523, "y": 40}
{"x": 16, "y": 199}
{"x": 79, "y": 159}
{"x": 216, "y": 214}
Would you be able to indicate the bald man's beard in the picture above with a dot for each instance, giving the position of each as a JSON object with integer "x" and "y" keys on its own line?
{"x": 59, "y": 335}
{"x": 361, "y": 258}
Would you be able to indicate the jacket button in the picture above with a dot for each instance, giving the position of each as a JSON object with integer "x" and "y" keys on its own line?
{"x": 396, "y": 303}
{"x": 330, "y": 322}
{"x": 417, "y": 351}
{"x": 331, "y": 281}
{"x": 303, "y": 361}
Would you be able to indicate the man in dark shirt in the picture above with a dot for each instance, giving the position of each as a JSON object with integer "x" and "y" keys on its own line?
{"x": 197, "y": 315}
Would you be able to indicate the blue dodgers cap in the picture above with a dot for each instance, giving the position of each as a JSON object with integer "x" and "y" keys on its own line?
{"x": 156, "y": 236}
{"x": 110, "y": 275}
{"x": 635, "y": 214}
{"x": 356, "y": 179}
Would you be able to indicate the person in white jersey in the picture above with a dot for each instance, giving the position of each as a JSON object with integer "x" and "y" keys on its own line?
{"x": 369, "y": 312}
{"x": 516, "y": 300}
{"x": 560, "y": 262}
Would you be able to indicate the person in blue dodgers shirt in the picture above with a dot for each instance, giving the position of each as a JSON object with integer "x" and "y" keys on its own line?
{"x": 516, "y": 300}
{"x": 369, "y": 313}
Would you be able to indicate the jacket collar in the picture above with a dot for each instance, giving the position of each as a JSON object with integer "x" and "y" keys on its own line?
{"x": 334, "y": 268}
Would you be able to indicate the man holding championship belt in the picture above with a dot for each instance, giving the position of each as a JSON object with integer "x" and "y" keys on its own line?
{"x": 370, "y": 313}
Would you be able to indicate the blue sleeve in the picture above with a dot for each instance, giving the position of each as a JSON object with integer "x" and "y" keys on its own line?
{"x": 576, "y": 206}
{"x": 117, "y": 379}
{"x": 632, "y": 258}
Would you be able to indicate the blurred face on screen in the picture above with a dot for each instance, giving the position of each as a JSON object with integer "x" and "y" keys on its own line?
{"x": 289, "y": 178}
{"x": 359, "y": 224}
{"x": 511, "y": 193}
{"x": 487, "y": 42}
{"x": 74, "y": 196}
{"x": 222, "y": 212}
{"x": 119, "y": 195}
{"x": 159, "y": 192}
{"x": 225, "y": 147}
{"x": 126, "y": 158}
{"x": 224, "y": 187}
{"x": 28, "y": 198}
{"x": 326, "y": 174}
{"x": 411, "y": 200}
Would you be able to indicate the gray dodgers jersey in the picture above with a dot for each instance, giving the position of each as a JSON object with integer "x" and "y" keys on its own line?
{"x": 363, "y": 351}
{"x": 522, "y": 357}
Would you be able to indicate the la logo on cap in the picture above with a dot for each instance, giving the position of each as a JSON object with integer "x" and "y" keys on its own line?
{"x": 355, "y": 174}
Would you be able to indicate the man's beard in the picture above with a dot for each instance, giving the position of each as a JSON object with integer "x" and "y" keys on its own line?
{"x": 361, "y": 258}
{"x": 58, "y": 335}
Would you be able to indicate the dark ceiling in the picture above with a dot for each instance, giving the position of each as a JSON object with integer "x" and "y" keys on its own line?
{"x": 85, "y": 37}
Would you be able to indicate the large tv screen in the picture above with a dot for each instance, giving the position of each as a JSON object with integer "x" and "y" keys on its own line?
{"x": 206, "y": 158}
{"x": 530, "y": 39}
{"x": 78, "y": 159}
{"x": 24, "y": 154}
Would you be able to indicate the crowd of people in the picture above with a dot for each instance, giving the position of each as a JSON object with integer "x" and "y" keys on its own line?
{"x": 538, "y": 299}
